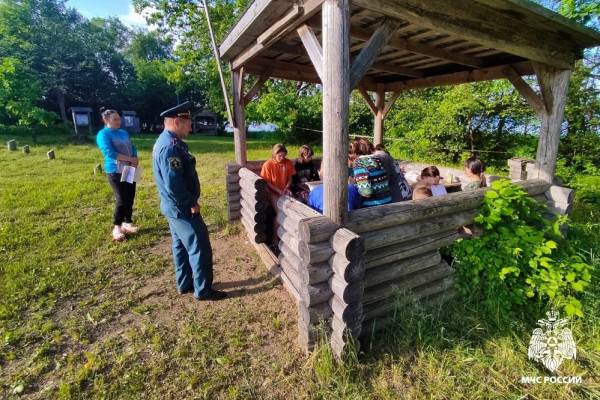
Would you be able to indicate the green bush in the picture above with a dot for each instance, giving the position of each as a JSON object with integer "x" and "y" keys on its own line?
{"x": 521, "y": 259}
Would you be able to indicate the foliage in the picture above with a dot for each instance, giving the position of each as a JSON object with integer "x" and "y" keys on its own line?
{"x": 19, "y": 92}
{"x": 521, "y": 258}
{"x": 74, "y": 61}
{"x": 294, "y": 108}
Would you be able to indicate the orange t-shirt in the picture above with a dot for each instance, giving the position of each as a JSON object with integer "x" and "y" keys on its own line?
{"x": 277, "y": 174}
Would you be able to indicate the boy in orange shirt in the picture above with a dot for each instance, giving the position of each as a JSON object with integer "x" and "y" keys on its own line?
{"x": 278, "y": 171}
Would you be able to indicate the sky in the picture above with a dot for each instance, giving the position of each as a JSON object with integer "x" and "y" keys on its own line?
{"x": 109, "y": 8}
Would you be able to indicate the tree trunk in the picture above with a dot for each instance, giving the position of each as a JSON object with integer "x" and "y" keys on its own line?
{"x": 60, "y": 99}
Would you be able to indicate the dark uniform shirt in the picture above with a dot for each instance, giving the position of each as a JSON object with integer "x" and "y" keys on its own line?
{"x": 175, "y": 174}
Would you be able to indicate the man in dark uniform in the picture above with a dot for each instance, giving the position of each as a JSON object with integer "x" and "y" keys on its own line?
{"x": 175, "y": 174}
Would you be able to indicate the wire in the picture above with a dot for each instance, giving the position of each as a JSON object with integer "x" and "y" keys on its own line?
{"x": 432, "y": 148}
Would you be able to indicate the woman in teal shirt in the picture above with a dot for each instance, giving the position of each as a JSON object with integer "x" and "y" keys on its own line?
{"x": 118, "y": 151}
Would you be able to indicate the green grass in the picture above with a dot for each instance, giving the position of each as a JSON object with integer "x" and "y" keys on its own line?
{"x": 75, "y": 323}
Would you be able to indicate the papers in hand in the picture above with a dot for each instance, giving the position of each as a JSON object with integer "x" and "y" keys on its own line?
{"x": 131, "y": 174}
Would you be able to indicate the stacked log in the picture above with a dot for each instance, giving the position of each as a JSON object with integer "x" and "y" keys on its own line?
{"x": 347, "y": 284}
{"x": 517, "y": 169}
{"x": 253, "y": 205}
{"x": 305, "y": 270}
{"x": 233, "y": 191}
{"x": 380, "y": 308}
{"x": 560, "y": 199}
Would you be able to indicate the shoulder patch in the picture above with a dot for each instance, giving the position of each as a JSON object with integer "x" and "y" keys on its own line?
{"x": 174, "y": 162}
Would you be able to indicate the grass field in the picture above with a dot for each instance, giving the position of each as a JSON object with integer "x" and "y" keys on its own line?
{"x": 82, "y": 317}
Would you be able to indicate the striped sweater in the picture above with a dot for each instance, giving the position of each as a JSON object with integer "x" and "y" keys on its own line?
{"x": 371, "y": 181}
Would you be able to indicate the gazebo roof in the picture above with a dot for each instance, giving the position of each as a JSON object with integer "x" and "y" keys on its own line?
{"x": 434, "y": 42}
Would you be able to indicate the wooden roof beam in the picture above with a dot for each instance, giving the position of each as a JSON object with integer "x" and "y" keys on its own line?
{"x": 289, "y": 23}
{"x": 534, "y": 100}
{"x": 481, "y": 24}
{"x": 312, "y": 47}
{"x": 456, "y": 78}
{"x": 423, "y": 49}
{"x": 384, "y": 67}
{"x": 367, "y": 56}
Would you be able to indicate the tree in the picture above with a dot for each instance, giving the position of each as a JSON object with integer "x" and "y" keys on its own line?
{"x": 20, "y": 91}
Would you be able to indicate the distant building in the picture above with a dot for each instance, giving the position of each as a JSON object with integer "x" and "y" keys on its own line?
{"x": 205, "y": 123}
{"x": 131, "y": 122}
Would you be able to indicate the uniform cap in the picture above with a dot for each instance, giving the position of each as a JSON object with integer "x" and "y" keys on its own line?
{"x": 183, "y": 110}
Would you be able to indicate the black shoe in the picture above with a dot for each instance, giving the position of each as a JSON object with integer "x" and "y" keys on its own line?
{"x": 185, "y": 291}
{"x": 212, "y": 295}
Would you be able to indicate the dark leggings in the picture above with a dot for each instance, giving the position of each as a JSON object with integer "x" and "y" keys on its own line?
{"x": 124, "y": 195}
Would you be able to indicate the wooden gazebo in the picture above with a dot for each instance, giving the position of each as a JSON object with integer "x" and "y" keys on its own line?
{"x": 346, "y": 268}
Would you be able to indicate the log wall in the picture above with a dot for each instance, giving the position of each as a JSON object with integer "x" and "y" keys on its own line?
{"x": 402, "y": 243}
{"x": 304, "y": 256}
{"x": 347, "y": 279}
{"x": 253, "y": 204}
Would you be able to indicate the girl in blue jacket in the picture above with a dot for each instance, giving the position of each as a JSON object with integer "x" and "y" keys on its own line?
{"x": 118, "y": 151}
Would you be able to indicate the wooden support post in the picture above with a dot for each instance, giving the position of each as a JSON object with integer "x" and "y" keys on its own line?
{"x": 239, "y": 117}
{"x": 553, "y": 86}
{"x": 336, "y": 92}
{"x": 378, "y": 124}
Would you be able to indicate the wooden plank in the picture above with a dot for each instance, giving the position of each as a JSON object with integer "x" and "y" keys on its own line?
{"x": 278, "y": 26}
{"x": 423, "y": 49}
{"x": 397, "y": 69}
{"x": 483, "y": 25}
{"x": 253, "y": 16}
{"x": 309, "y": 8}
{"x": 483, "y": 74}
{"x": 525, "y": 90}
{"x": 369, "y": 53}
{"x": 336, "y": 95}
{"x": 268, "y": 258}
{"x": 313, "y": 47}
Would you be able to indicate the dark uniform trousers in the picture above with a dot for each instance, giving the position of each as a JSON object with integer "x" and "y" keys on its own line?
{"x": 192, "y": 254}
{"x": 174, "y": 170}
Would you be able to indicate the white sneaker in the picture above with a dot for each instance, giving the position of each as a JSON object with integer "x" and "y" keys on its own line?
{"x": 128, "y": 228}
{"x": 118, "y": 234}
